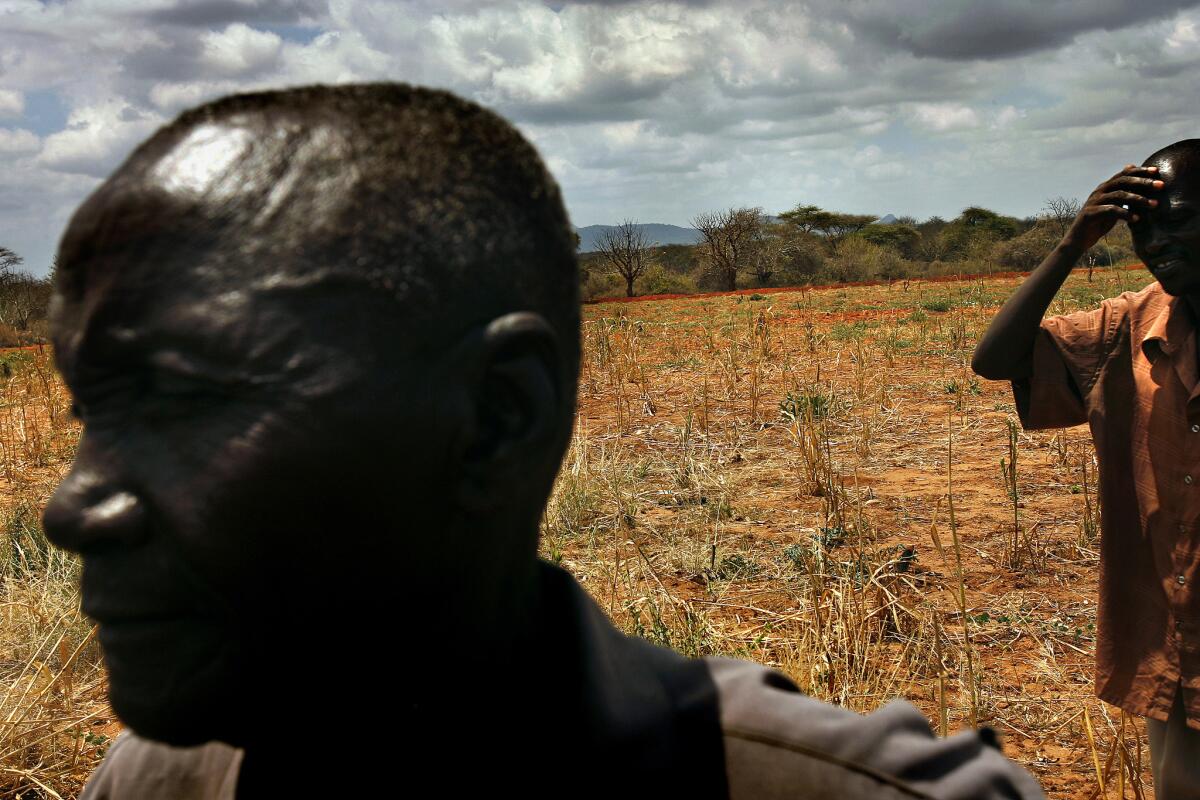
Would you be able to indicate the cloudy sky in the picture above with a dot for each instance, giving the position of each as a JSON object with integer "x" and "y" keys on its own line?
{"x": 651, "y": 111}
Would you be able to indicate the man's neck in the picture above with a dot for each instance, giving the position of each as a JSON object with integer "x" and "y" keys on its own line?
{"x": 1193, "y": 301}
{"x": 404, "y": 678}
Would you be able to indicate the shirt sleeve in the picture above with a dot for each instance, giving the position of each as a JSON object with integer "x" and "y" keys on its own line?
{"x": 141, "y": 769}
{"x": 1068, "y": 354}
{"x": 779, "y": 743}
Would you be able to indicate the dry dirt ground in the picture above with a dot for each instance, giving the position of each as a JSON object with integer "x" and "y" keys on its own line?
{"x": 773, "y": 476}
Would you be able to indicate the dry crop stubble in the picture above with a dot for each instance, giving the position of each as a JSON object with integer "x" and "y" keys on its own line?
{"x": 790, "y": 493}
{"x": 55, "y": 724}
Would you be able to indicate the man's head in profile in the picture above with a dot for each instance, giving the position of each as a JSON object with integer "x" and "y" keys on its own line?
{"x": 324, "y": 346}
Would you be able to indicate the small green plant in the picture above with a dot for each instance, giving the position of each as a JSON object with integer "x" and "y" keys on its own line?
{"x": 798, "y": 407}
{"x": 98, "y": 741}
{"x": 844, "y": 332}
{"x": 734, "y": 567}
{"x": 798, "y": 554}
{"x": 10, "y": 362}
{"x": 830, "y": 536}
{"x": 938, "y": 306}
{"x": 969, "y": 386}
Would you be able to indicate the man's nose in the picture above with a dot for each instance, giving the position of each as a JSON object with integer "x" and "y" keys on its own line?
{"x": 89, "y": 511}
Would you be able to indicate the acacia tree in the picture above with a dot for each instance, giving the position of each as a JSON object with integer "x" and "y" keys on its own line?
{"x": 624, "y": 249}
{"x": 808, "y": 219}
{"x": 729, "y": 239}
{"x": 9, "y": 261}
{"x": 833, "y": 226}
{"x": 1057, "y": 216}
{"x": 1059, "y": 213}
{"x": 842, "y": 225}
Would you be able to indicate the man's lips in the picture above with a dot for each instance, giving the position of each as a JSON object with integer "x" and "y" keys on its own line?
{"x": 127, "y": 617}
{"x": 109, "y": 614}
{"x": 1166, "y": 267}
{"x": 150, "y": 639}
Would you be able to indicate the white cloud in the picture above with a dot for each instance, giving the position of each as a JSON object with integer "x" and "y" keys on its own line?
{"x": 97, "y": 138}
{"x": 870, "y": 154}
{"x": 623, "y": 133}
{"x": 1183, "y": 34}
{"x": 888, "y": 171}
{"x": 12, "y": 103}
{"x": 18, "y": 141}
{"x": 170, "y": 97}
{"x": 1006, "y": 116}
{"x": 944, "y": 116}
{"x": 239, "y": 50}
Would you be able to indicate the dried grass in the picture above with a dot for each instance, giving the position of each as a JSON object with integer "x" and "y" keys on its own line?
{"x": 54, "y": 720}
{"x": 810, "y": 480}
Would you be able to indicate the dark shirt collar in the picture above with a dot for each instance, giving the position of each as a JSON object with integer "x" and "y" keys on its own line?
{"x": 594, "y": 709}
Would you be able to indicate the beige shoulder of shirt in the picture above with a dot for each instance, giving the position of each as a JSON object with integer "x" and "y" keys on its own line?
{"x": 780, "y": 743}
{"x": 140, "y": 769}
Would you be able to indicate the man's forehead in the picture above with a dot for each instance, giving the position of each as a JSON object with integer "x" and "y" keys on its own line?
{"x": 203, "y": 162}
{"x": 248, "y": 180}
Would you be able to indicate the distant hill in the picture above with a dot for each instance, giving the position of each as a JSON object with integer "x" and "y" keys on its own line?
{"x": 886, "y": 219}
{"x": 656, "y": 233}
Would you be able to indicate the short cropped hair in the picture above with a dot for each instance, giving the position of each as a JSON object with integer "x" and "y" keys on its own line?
{"x": 415, "y": 192}
{"x": 1185, "y": 153}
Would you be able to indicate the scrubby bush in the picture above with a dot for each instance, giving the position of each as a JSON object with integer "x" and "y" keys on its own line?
{"x": 856, "y": 259}
{"x": 595, "y": 285}
{"x": 902, "y": 239}
{"x": 804, "y": 262}
{"x": 1026, "y": 251}
{"x": 705, "y": 277}
{"x": 9, "y": 336}
{"x": 657, "y": 279}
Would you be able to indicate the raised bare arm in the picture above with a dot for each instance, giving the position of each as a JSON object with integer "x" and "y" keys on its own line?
{"x": 1006, "y": 350}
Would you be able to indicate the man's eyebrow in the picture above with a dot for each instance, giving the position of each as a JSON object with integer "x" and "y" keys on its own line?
{"x": 107, "y": 343}
{"x": 167, "y": 348}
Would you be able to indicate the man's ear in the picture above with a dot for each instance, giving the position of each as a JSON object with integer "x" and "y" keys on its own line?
{"x": 517, "y": 403}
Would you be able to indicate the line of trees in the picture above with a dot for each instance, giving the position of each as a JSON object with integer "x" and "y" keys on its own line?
{"x": 742, "y": 247}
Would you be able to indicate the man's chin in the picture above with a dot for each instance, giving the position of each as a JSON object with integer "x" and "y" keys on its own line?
{"x": 177, "y": 682}
{"x": 1177, "y": 288}
{"x": 1177, "y": 277}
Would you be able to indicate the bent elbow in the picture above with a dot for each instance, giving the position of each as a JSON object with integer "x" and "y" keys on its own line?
{"x": 982, "y": 367}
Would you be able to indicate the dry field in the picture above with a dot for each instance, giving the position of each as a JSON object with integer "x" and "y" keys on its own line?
{"x": 813, "y": 480}
{"x": 54, "y": 719}
{"x": 816, "y": 480}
